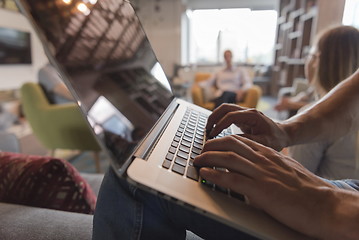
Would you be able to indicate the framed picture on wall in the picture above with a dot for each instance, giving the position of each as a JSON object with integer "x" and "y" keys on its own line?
{"x": 15, "y": 46}
{"x": 8, "y": 4}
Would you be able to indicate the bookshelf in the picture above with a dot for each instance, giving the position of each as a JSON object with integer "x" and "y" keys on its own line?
{"x": 299, "y": 22}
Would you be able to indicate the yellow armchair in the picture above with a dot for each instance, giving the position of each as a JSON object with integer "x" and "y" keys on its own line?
{"x": 250, "y": 99}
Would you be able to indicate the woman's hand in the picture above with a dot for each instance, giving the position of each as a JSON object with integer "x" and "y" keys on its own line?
{"x": 253, "y": 123}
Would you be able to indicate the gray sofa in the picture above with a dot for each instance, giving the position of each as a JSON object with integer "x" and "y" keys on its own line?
{"x": 23, "y": 222}
{"x": 20, "y": 222}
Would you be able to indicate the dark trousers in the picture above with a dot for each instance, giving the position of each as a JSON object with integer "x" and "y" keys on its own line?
{"x": 226, "y": 97}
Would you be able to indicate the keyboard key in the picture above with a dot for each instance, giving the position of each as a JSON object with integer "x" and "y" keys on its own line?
{"x": 190, "y": 162}
{"x": 188, "y": 134}
{"x": 198, "y": 140}
{"x": 193, "y": 122}
{"x": 192, "y": 173}
{"x": 200, "y": 135}
{"x": 191, "y": 128}
{"x": 176, "y": 139}
{"x": 166, "y": 164}
{"x": 174, "y": 144}
{"x": 181, "y": 161}
{"x": 178, "y": 169}
{"x": 201, "y": 124}
{"x": 196, "y": 150}
{"x": 200, "y": 129}
{"x": 202, "y": 119}
{"x": 186, "y": 143}
{"x": 172, "y": 150}
{"x": 169, "y": 156}
{"x": 196, "y": 145}
{"x": 184, "y": 149}
{"x": 193, "y": 155}
{"x": 182, "y": 155}
{"x": 187, "y": 138}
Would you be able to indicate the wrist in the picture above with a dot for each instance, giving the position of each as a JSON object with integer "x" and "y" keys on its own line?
{"x": 286, "y": 131}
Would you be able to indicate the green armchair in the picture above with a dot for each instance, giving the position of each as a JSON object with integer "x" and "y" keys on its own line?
{"x": 57, "y": 126}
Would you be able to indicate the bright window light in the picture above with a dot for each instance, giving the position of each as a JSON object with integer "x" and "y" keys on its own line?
{"x": 351, "y": 10}
{"x": 249, "y": 34}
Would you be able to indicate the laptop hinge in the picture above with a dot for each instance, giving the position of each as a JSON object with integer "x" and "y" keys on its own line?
{"x": 156, "y": 132}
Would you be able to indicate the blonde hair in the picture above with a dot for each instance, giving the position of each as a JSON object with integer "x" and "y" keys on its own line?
{"x": 338, "y": 50}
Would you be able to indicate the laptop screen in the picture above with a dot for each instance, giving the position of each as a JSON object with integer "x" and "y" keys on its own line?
{"x": 105, "y": 58}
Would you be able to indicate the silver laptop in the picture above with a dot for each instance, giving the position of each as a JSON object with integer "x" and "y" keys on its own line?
{"x": 151, "y": 137}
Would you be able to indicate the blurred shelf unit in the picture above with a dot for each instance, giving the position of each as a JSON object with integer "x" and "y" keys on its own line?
{"x": 298, "y": 23}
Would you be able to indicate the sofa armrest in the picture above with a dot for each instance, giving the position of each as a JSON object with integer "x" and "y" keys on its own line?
{"x": 94, "y": 180}
{"x": 23, "y": 222}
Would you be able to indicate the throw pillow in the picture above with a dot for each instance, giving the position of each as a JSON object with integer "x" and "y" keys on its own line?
{"x": 44, "y": 182}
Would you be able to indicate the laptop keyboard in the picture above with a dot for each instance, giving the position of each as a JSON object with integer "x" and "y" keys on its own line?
{"x": 187, "y": 144}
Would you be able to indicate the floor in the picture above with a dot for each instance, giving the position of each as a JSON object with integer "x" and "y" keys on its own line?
{"x": 268, "y": 109}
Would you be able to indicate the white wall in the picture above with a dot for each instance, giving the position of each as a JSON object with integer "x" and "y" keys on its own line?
{"x": 163, "y": 29}
{"x": 13, "y": 76}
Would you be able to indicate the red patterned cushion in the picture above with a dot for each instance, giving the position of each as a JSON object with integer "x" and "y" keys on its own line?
{"x": 44, "y": 182}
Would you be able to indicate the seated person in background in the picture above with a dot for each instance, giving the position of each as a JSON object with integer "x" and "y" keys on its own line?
{"x": 293, "y": 103}
{"x": 335, "y": 56}
{"x": 231, "y": 83}
{"x": 55, "y": 89}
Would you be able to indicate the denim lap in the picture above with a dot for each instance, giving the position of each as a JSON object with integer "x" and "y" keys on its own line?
{"x": 126, "y": 212}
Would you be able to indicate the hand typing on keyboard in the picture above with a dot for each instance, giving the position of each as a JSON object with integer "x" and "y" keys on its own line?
{"x": 271, "y": 181}
{"x": 187, "y": 144}
{"x": 254, "y": 125}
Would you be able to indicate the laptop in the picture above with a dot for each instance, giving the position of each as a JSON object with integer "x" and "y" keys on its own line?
{"x": 105, "y": 59}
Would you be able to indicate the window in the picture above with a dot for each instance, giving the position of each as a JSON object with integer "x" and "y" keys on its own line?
{"x": 350, "y": 17}
{"x": 249, "y": 34}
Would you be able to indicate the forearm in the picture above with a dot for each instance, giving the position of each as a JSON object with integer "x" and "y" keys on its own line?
{"x": 296, "y": 105}
{"x": 342, "y": 218}
{"x": 333, "y": 116}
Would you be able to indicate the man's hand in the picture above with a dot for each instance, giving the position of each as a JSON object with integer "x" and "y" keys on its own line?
{"x": 253, "y": 123}
{"x": 271, "y": 181}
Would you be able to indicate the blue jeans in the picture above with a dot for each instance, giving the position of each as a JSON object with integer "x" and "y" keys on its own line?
{"x": 126, "y": 212}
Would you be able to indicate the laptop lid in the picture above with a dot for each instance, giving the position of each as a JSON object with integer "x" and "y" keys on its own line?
{"x": 106, "y": 60}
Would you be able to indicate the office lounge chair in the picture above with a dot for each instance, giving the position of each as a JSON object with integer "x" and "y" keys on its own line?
{"x": 57, "y": 126}
{"x": 200, "y": 96}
